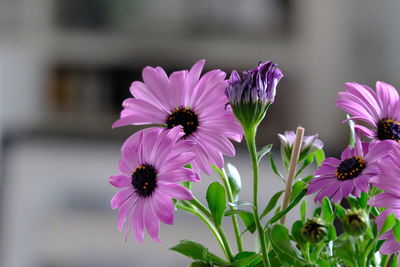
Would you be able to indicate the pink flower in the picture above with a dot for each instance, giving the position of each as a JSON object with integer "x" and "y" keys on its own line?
{"x": 351, "y": 174}
{"x": 388, "y": 180}
{"x": 152, "y": 166}
{"x": 380, "y": 109}
{"x": 197, "y": 104}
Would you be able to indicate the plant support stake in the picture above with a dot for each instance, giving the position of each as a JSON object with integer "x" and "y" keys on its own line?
{"x": 292, "y": 168}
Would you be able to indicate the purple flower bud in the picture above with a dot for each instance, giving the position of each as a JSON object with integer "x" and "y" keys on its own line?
{"x": 257, "y": 85}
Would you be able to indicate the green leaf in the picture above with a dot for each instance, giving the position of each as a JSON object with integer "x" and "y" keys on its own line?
{"x": 282, "y": 213}
{"x": 327, "y": 211}
{"x": 396, "y": 230}
{"x": 307, "y": 161}
{"x": 344, "y": 249}
{"x": 317, "y": 212}
{"x": 281, "y": 240}
{"x": 216, "y": 199}
{"x": 353, "y": 202}
{"x": 340, "y": 211}
{"x": 352, "y": 136}
{"x": 308, "y": 178}
{"x": 388, "y": 224}
{"x": 199, "y": 264}
{"x": 363, "y": 200}
{"x": 331, "y": 232}
{"x": 271, "y": 204}
{"x": 303, "y": 211}
{"x": 234, "y": 180}
{"x": 245, "y": 259}
{"x": 297, "y": 188}
{"x": 296, "y": 232}
{"x": 247, "y": 218}
{"x": 319, "y": 156}
{"x": 274, "y": 167}
{"x": 197, "y": 251}
{"x": 264, "y": 151}
{"x": 240, "y": 203}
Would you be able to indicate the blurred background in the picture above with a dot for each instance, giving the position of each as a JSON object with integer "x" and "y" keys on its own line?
{"x": 66, "y": 66}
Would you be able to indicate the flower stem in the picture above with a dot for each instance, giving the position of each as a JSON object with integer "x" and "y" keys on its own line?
{"x": 292, "y": 169}
{"x": 222, "y": 174}
{"x": 250, "y": 135}
{"x": 209, "y": 224}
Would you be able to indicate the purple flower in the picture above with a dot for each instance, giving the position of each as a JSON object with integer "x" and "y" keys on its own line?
{"x": 309, "y": 145}
{"x": 391, "y": 245}
{"x": 388, "y": 180}
{"x": 380, "y": 109}
{"x": 152, "y": 166}
{"x": 337, "y": 179}
{"x": 257, "y": 85}
{"x": 197, "y": 104}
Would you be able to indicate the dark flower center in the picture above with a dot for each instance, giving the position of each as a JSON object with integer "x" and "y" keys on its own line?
{"x": 389, "y": 129}
{"x": 144, "y": 180}
{"x": 350, "y": 168}
{"x": 184, "y": 117}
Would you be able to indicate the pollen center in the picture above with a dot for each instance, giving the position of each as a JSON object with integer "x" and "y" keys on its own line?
{"x": 389, "y": 129}
{"x": 144, "y": 180}
{"x": 184, "y": 117}
{"x": 350, "y": 168}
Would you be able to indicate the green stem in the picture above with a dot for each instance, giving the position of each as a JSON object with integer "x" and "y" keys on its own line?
{"x": 208, "y": 223}
{"x": 250, "y": 135}
{"x": 235, "y": 224}
{"x": 201, "y": 207}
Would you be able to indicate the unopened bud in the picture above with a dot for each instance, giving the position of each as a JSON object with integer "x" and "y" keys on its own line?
{"x": 314, "y": 230}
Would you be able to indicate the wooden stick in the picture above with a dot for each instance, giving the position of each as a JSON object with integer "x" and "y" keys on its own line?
{"x": 292, "y": 168}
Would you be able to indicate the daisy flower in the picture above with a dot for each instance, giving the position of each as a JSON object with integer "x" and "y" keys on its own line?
{"x": 197, "y": 104}
{"x": 338, "y": 178}
{"x": 152, "y": 166}
{"x": 387, "y": 180}
{"x": 380, "y": 109}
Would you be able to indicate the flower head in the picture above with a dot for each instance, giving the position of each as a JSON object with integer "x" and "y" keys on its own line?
{"x": 351, "y": 174}
{"x": 309, "y": 145}
{"x": 251, "y": 95}
{"x": 314, "y": 230}
{"x": 151, "y": 168}
{"x": 197, "y": 104}
{"x": 380, "y": 109}
{"x": 388, "y": 181}
{"x": 355, "y": 222}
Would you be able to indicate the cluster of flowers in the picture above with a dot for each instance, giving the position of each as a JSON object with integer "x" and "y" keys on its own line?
{"x": 368, "y": 164}
{"x": 194, "y": 125}
{"x": 194, "y": 120}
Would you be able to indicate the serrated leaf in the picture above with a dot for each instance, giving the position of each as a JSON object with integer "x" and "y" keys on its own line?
{"x": 274, "y": 167}
{"x": 264, "y": 151}
{"x": 319, "y": 156}
{"x": 390, "y": 221}
{"x": 272, "y": 203}
{"x": 327, "y": 211}
{"x": 396, "y": 230}
{"x": 197, "y": 251}
{"x": 247, "y": 218}
{"x": 216, "y": 199}
{"x": 234, "y": 180}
